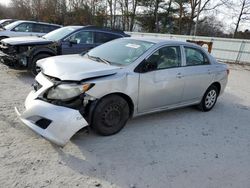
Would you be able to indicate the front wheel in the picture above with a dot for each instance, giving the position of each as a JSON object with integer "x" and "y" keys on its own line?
{"x": 209, "y": 99}
{"x": 110, "y": 115}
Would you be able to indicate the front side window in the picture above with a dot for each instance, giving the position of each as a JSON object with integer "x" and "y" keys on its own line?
{"x": 166, "y": 57}
{"x": 24, "y": 27}
{"x": 82, "y": 37}
{"x": 195, "y": 57}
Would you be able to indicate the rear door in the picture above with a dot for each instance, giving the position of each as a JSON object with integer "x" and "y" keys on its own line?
{"x": 78, "y": 42}
{"x": 197, "y": 74}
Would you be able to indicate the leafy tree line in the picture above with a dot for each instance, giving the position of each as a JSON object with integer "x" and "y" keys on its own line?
{"x": 163, "y": 16}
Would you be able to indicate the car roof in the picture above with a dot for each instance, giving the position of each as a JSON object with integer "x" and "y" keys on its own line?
{"x": 96, "y": 28}
{"x": 158, "y": 40}
{"x": 21, "y": 21}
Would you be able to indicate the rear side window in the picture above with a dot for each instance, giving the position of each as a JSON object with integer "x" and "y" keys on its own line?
{"x": 104, "y": 37}
{"x": 52, "y": 28}
{"x": 24, "y": 27}
{"x": 195, "y": 57}
{"x": 43, "y": 28}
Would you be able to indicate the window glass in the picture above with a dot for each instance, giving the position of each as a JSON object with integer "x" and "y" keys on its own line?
{"x": 82, "y": 37}
{"x": 195, "y": 57}
{"x": 121, "y": 51}
{"x": 7, "y": 23}
{"x": 24, "y": 27}
{"x": 166, "y": 57}
{"x": 104, "y": 37}
{"x": 52, "y": 27}
{"x": 38, "y": 28}
{"x": 59, "y": 34}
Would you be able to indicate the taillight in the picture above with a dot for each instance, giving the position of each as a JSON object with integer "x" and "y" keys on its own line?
{"x": 228, "y": 71}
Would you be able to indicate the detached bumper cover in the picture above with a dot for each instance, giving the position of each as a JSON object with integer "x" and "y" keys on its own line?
{"x": 63, "y": 122}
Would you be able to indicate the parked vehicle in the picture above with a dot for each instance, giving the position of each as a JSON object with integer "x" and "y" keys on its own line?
{"x": 5, "y": 22}
{"x": 26, "y": 28}
{"x": 120, "y": 79}
{"x": 25, "y": 51}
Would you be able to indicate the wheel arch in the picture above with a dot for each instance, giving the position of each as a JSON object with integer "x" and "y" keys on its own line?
{"x": 217, "y": 85}
{"x": 36, "y": 53}
{"x": 124, "y": 96}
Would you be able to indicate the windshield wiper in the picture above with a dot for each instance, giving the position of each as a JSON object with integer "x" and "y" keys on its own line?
{"x": 99, "y": 59}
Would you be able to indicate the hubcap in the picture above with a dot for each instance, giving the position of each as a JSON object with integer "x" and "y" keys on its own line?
{"x": 111, "y": 116}
{"x": 210, "y": 99}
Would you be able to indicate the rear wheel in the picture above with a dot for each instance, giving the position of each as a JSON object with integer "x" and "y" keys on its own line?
{"x": 110, "y": 115}
{"x": 33, "y": 67}
{"x": 209, "y": 99}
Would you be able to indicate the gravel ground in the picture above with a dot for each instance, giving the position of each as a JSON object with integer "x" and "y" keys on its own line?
{"x": 180, "y": 148}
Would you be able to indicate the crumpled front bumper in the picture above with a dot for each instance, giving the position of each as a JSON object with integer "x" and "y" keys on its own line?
{"x": 61, "y": 122}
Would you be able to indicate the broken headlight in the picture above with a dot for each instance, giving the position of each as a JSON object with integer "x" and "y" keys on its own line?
{"x": 67, "y": 91}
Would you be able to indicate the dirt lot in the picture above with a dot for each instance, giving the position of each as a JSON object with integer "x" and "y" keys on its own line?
{"x": 180, "y": 148}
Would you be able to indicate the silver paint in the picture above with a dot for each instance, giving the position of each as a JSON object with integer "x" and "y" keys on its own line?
{"x": 150, "y": 92}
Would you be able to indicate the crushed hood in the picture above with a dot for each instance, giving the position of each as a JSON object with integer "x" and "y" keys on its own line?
{"x": 75, "y": 67}
{"x": 26, "y": 40}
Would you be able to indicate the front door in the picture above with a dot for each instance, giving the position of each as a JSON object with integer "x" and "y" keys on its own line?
{"x": 162, "y": 85}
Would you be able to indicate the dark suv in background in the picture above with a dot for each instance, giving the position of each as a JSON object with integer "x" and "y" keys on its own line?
{"x": 26, "y": 51}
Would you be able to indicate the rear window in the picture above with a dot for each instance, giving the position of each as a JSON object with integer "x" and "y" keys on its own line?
{"x": 43, "y": 28}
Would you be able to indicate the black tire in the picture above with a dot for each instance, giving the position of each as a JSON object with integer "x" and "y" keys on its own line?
{"x": 209, "y": 99}
{"x": 33, "y": 67}
{"x": 110, "y": 115}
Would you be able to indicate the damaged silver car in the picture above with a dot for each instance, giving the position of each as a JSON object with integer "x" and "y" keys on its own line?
{"x": 118, "y": 80}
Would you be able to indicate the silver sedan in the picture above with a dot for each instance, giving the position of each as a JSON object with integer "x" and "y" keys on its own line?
{"x": 118, "y": 80}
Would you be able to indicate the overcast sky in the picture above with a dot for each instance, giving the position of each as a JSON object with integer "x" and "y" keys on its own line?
{"x": 223, "y": 14}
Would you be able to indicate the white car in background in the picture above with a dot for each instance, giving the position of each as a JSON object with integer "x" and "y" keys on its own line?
{"x": 26, "y": 28}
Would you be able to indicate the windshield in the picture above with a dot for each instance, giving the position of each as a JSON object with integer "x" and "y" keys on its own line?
{"x": 120, "y": 51}
{"x": 59, "y": 34}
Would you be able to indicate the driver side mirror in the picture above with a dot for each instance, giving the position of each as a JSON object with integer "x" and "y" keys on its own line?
{"x": 72, "y": 41}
